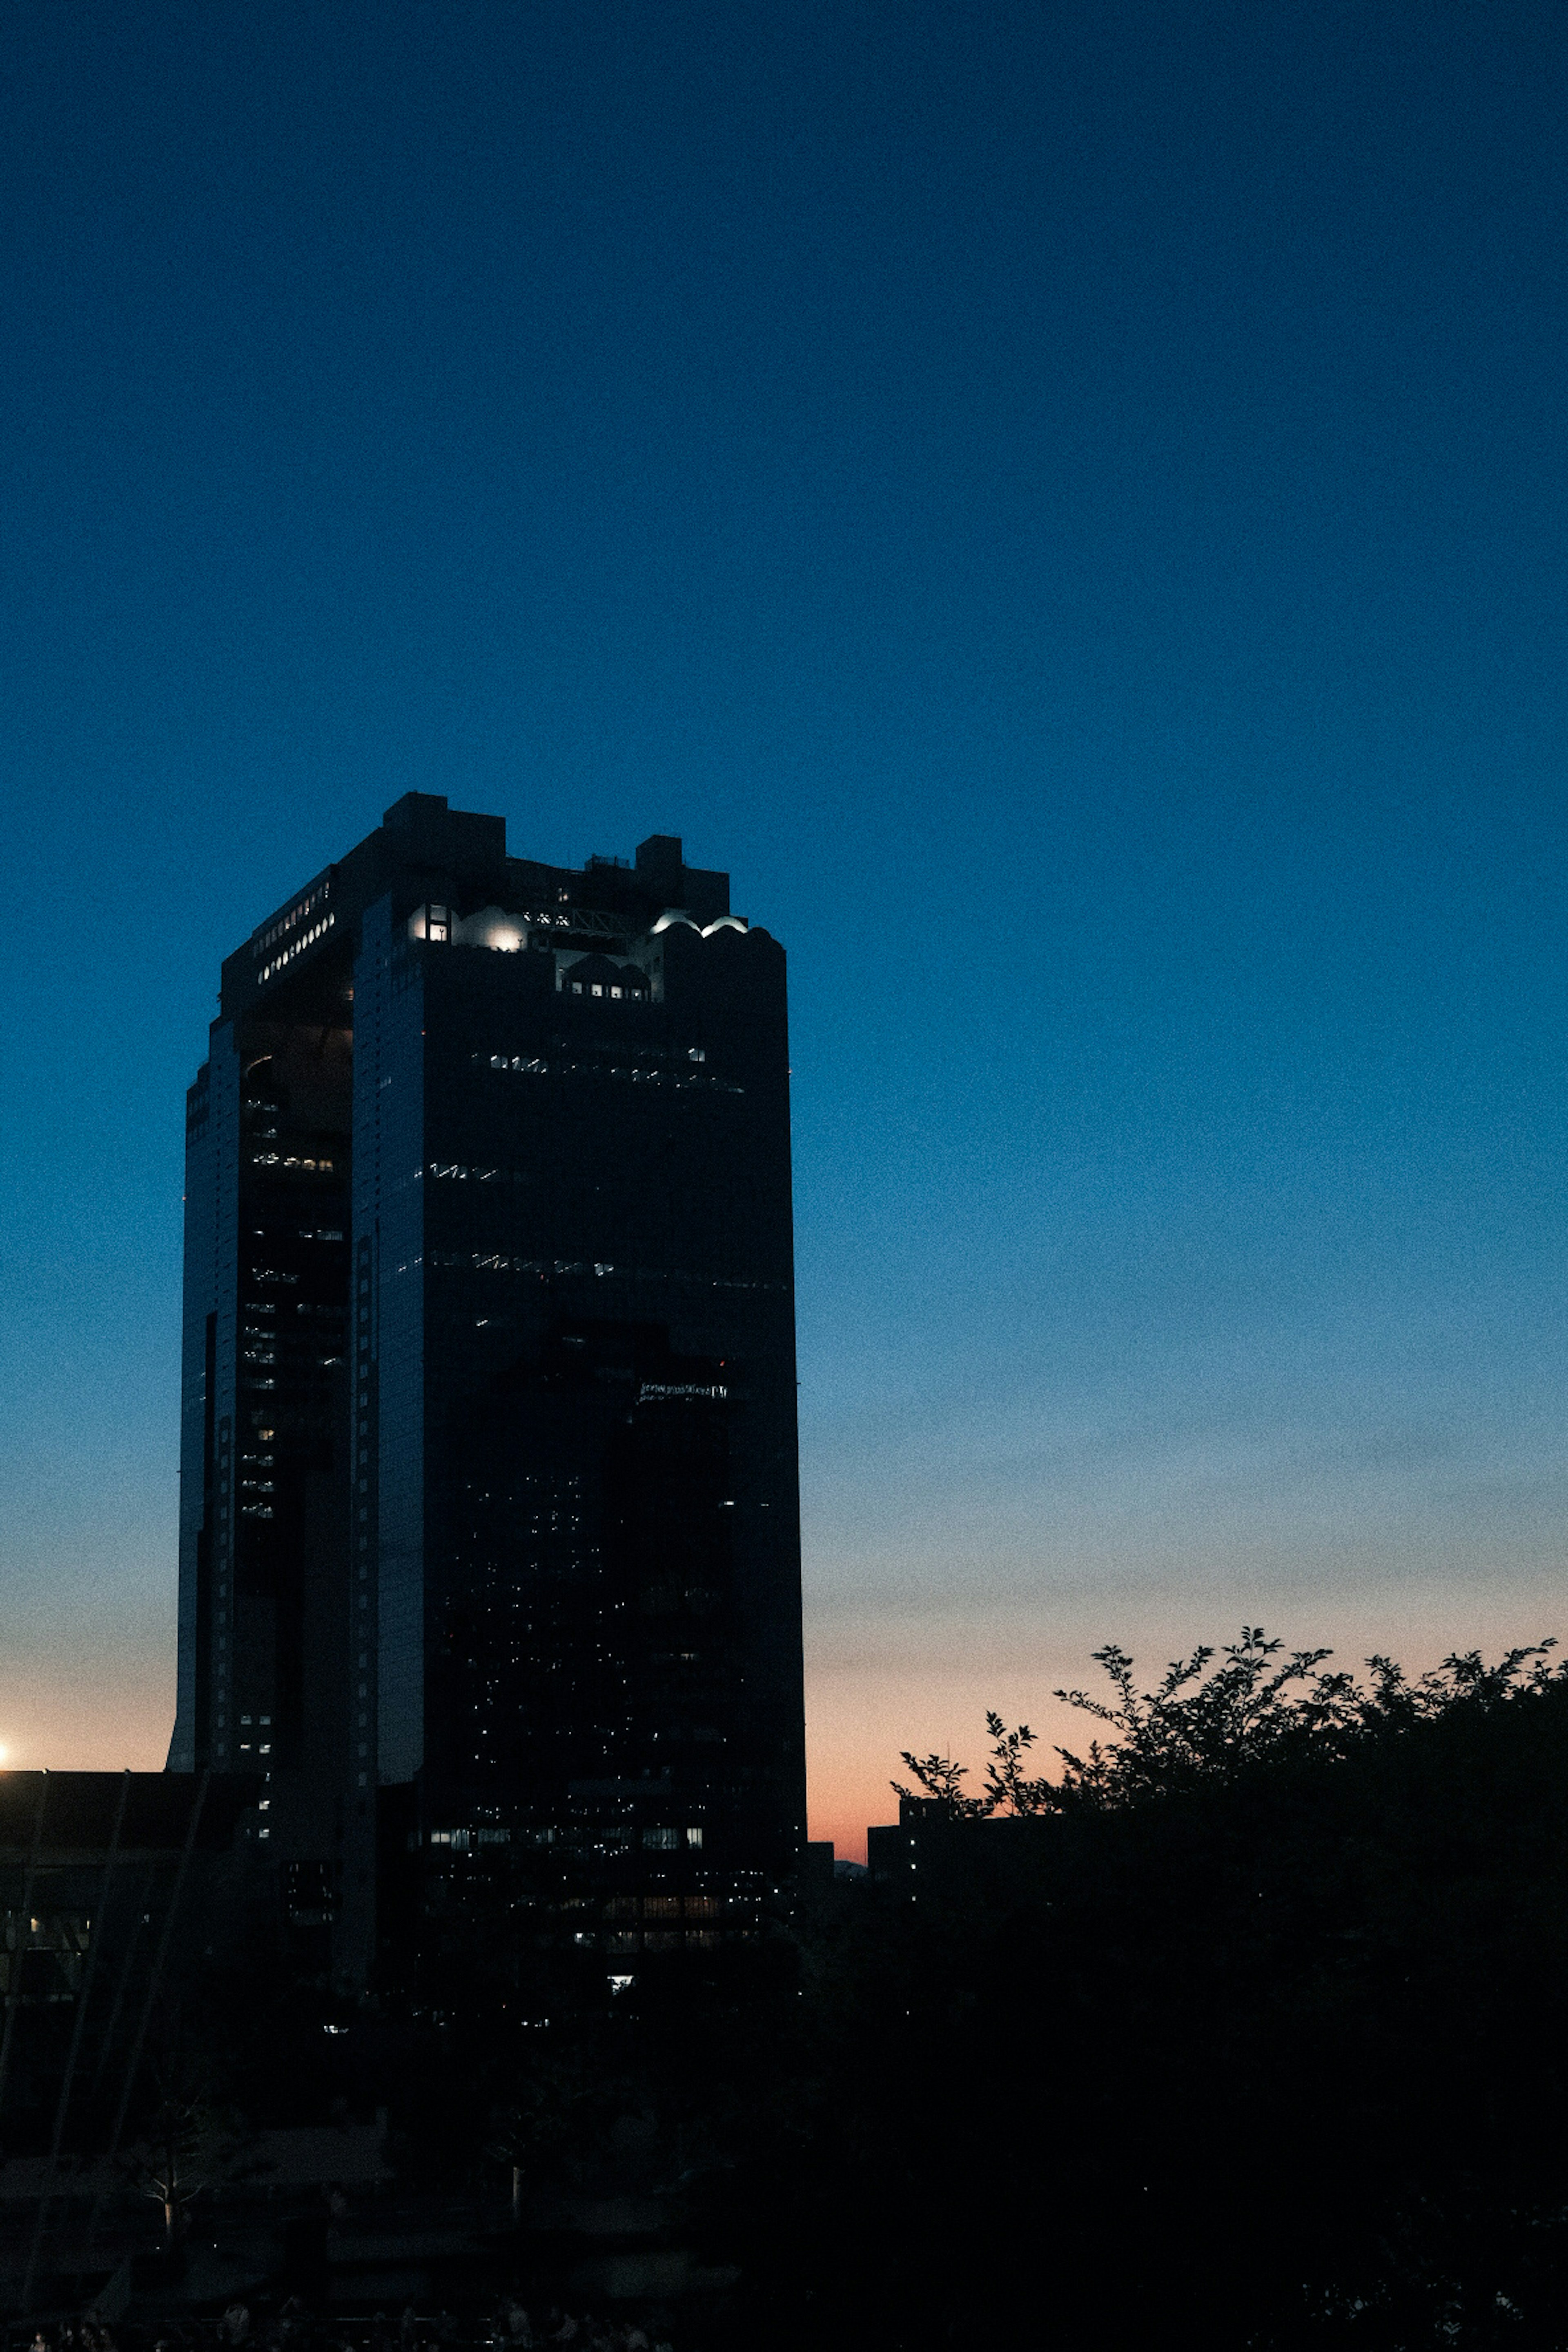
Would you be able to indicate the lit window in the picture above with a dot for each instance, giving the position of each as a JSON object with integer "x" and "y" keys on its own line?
{"x": 694, "y": 1837}
{"x": 661, "y": 1840}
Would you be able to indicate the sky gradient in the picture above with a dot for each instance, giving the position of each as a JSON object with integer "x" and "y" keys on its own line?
{"x": 1068, "y": 504}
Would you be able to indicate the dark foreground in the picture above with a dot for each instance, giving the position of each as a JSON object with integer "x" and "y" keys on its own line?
{"x": 1256, "y": 2036}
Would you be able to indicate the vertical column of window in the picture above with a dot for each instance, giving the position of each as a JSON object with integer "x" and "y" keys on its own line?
{"x": 190, "y": 1744}
{"x": 248, "y": 1378}
{"x": 363, "y": 1535}
{"x": 388, "y": 1155}
{"x": 364, "y": 1539}
{"x": 400, "y": 1294}
{"x": 221, "y": 1554}
{"x": 206, "y": 1551}
{"x": 229, "y": 1181}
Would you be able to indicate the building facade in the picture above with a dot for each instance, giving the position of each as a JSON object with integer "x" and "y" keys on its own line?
{"x": 489, "y": 1527}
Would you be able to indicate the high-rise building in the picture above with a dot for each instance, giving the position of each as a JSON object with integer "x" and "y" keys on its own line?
{"x": 490, "y": 1533}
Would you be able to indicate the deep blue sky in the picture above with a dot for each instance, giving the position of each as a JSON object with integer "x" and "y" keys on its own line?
{"x": 1068, "y": 503}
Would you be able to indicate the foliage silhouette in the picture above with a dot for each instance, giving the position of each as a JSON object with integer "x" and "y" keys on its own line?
{"x": 1263, "y": 2043}
{"x": 187, "y": 2147}
{"x": 1196, "y": 1727}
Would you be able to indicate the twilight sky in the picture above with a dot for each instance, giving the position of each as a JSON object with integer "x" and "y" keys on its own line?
{"x": 1068, "y": 503}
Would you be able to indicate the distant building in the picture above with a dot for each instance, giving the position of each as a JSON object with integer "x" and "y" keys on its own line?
{"x": 489, "y": 1529}
{"x": 816, "y": 1864}
{"x": 115, "y": 1887}
{"x": 963, "y": 1863}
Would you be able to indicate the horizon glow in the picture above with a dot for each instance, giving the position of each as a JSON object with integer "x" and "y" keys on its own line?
{"x": 1066, "y": 506}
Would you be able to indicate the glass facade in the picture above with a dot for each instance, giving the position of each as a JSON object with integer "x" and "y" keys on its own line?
{"x": 491, "y": 1504}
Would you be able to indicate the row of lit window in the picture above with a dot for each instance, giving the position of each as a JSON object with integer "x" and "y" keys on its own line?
{"x": 298, "y": 949}
{"x": 494, "y": 1262}
{"x": 658, "y": 1940}
{"x": 653, "y": 1840}
{"x": 291, "y": 920}
{"x": 644, "y": 1059}
{"x": 641, "y": 1053}
{"x": 451, "y": 1169}
{"x": 291, "y": 1160}
{"x": 683, "y": 1081}
{"x": 663, "y": 1906}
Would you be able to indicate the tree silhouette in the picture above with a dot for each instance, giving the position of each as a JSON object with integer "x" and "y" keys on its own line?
{"x": 938, "y": 1778}
{"x": 1008, "y": 1790}
{"x": 1204, "y": 1723}
{"x": 187, "y": 2147}
{"x": 1263, "y": 2043}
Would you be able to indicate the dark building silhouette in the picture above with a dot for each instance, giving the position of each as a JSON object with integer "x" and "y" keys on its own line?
{"x": 968, "y": 1865}
{"x": 115, "y": 1888}
{"x": 489, "y": 1534}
